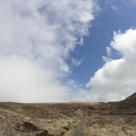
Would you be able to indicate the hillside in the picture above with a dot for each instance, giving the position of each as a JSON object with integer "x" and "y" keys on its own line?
{"x": 69, "y": 119}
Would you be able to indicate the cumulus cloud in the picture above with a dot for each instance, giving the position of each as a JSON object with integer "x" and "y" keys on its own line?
{"x": 117, "y": 78}
{"x": 36, "y": 37}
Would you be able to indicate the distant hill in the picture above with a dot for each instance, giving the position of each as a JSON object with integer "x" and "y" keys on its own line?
{"x": 129, "y": 103}
{"x": 131, "y": 98}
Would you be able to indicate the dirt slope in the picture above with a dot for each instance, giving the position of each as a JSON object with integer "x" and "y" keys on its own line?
{"x": 69, "y": 119}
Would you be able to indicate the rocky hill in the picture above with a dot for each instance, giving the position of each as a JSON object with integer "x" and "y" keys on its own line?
{"x": 69, "y": 119}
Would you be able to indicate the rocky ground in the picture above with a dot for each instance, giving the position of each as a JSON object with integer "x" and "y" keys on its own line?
{"x": 69, "y": 119}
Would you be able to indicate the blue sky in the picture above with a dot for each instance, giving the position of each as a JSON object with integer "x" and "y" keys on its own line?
{"x": 41, "y": 58}
{"x": 114, "y": 15}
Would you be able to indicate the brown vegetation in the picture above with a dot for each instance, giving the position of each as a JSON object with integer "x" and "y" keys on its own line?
{"x": 69, "y": 119}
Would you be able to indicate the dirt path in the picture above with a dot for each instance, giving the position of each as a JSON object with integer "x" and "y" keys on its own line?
{"x": 79, "y": 129}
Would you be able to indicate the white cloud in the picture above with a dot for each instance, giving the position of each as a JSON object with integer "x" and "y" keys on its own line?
{"x": 24, "y": 80}
{"x": 117, "y": 78}
{"x": 36, "y": 36}
{"x": 111, "y": 4}
{"x": 76, "y": 62}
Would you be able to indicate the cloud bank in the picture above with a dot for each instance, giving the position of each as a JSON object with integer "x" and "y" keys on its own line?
{"x": 117, "y": 78}
{"x": 36, "y": 38}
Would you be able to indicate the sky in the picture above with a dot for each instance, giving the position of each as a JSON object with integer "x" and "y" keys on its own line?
{"x": 57, "y": 51}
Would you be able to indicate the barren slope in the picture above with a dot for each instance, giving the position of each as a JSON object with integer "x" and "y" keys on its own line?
{"x": 69, "y": 119}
